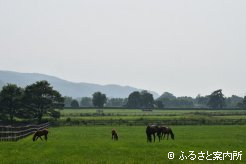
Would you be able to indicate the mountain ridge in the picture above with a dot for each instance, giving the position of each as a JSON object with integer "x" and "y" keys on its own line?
{"x": 68, "y": 88}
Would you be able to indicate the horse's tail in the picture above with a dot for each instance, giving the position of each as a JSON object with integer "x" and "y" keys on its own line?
{"x": 148, "y": 133}
{"x": 172, "y": 135}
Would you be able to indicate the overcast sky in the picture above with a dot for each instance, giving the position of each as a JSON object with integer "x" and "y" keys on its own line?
{"x": 183, "y": 47}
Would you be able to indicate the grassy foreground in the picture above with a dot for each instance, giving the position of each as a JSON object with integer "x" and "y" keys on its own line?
{"x": 93, "y": 144}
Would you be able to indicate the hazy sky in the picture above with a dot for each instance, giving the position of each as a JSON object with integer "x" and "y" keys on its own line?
{"x": 184, "y": 47}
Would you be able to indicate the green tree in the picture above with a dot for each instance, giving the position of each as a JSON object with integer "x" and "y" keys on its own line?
{"x": 67, "y": 101}
{"x": 75, "y": 104}
{"x": 232, "y": 101}
{"x": 116, "y": 102}
{"x": 159, "y": 104}
{"x": 167, "y": 99}
{"x": 11, "y": 100}
{"x": 147, "y": 100}
{"x": 242, "y": 104}
{"x": 86, "y": 102}
{"x": 134, "y": 100}
{"x": 42, "y": 99}
{"x": 216, "y": 100}
{"x": 99, "y": 99}
{"x": 184, "y": 102}
{"x": 202, "y": 101}
{"x": 167, "y": 95}
{"x": 141, "y": 99}
{"x": 55, "y": 114}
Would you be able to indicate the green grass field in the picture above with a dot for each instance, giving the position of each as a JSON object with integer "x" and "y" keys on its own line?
{"x": 93, "y": 144}
{"x": 139, "y": 112}
{"x": 139, "y": 117}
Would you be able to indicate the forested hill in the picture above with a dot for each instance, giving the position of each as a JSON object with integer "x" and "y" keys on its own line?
{"x": 67, "y": 88}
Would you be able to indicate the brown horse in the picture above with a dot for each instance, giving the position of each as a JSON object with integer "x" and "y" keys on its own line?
{"x": 163, "y": 130}
{"x": 114, "y": 135}
{"x": 151, "y": 130}
{"x": 40, "y": 133}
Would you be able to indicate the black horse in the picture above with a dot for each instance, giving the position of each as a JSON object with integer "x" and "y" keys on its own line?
{"x": 114, "y": 135}
{"x": 40, "y": 133}
{"x": 151, "y": 130}
{"x": 163, "y": 130}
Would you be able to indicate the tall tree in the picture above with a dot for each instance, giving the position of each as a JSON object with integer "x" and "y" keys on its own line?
{"x": 216, "y": 100}
{"x": 242, "y": 104}
{"x": 67, "y": 101}
{"x": 86, "y": 102}
{"x": 167, "y": 95}
{"x": 75, "y": 104}
{"x": 99, "y": 99}
{"x": 167, "y": 99}
{"x": 11, "y": 100}
{"x": 141, "y": 99}
{"x": 232, "y": 101}
{"x": 159, "y": 104}
{"x": 134, "y": 100}
{"x": 147, "y": 100}
{"x": 202, "y": 101}
{"x": 42, "y": 99}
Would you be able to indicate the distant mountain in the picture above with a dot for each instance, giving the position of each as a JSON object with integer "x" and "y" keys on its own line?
{"x": 67, "y": 88}
{"x": 1, "y": 84}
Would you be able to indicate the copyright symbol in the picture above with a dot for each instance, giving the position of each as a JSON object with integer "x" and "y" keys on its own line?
{"x": 170, "y": 155}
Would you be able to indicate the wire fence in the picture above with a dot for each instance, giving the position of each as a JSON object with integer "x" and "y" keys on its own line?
{"x": 10, "y": 133}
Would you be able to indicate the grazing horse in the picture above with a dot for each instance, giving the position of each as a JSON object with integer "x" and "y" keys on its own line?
{"x": 114, "y": 135}
{"x": 151, "y": 130}
{"x": 40, "y": 133}
{"x": 163, "y": 130}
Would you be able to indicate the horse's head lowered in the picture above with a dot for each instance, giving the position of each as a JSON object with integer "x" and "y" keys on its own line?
{"x": 40, "y": 133}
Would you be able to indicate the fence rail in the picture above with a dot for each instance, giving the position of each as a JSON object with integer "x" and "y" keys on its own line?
{"x": 142, "y": 122}
{"x": 10, "y": 133}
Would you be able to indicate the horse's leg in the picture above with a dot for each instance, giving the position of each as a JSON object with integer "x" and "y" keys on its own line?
{"x": 159, "y": 135}
{"x": 148, "y": 137}
{"x": 167, "y": 136}
{"x": 154, "y": 137}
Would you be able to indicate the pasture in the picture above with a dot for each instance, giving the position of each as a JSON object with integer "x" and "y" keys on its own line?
{"x": 139, "y": 117}
{"x": 93, "y": 144}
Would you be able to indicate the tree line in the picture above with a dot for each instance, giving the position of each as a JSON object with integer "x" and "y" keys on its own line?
{"x": 145, "y": 100}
